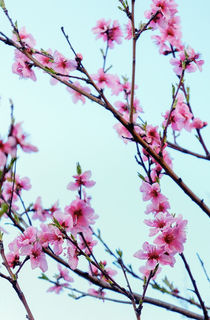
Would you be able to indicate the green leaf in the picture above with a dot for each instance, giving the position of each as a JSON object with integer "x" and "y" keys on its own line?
{"x": 188, "y": 95}
{"x": 72, "y": 295}
{"x": 79, "y": 169}
{"x": 120, "y": 8}
{"x": 43, "y": 277}
{"x": 50, "y": 70}
{"x": 16, "y": 218}
{"x": 168, "y": 284}
{"x": 102, "y": 52}
{"x": 56, "y": 223}
{"x": 173, "y": 90}
{"x": 119, "y": 252}
{"x": 4, "y": 208}
{"x": 2, "y": 4}
{"x": 141, "y": 176}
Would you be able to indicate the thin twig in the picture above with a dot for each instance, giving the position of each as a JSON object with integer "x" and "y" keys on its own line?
{"x": 186, "y": 151}
{"x": 133, "y": 63}
{"x": 203, "y": 267}
{"x": 205, "y": 313}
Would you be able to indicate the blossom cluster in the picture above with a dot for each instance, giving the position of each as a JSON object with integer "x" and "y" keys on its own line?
{"x": 66, "y": 232}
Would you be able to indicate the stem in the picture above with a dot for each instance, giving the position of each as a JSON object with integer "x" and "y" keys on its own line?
{"x": 205, "y": 313}
{"x": 13, "y": 280}
{"x": 133, "y": 63}
{"x": 197, "y": 130}
{"x": 186, "y": 151}
{"x": 170, "y": 112}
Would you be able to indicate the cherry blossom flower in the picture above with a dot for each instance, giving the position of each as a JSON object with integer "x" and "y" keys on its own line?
{"x": 82, "y": 215}
{"x": 146, "y": 272}
{"x": 20, "y": 136}
{"x": 58, "y": 287}
{"x": 82, "y": 179}
{"x": 64, "y": 273}
{"x": 173, "y": 237}
{"x": 128, "y": 31}
{"x": 38, "y": 258}
{"x": 159, "y": 223}
{"x": 152, "y": 192}
{"x": 40, "y": 213}
{"x": 25, "y": 37}
{"x": 62, "y": 66}
{"x": 24, "y": 68}
{"x": 77, "y": 96}
{"x": 154, "y": 255}
{"x": 103, "y": 79}
{"x": 98, "y": 293}
{"x": 104, "y": 30}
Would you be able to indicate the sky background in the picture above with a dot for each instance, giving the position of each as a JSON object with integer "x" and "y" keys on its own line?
{"x": 66, "y": 133}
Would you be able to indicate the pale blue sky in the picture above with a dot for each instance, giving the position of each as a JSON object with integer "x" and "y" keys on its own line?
{"x": 66, "y": 133}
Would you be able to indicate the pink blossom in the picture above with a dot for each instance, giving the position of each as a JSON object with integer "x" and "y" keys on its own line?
{"x": 58, "y": 287}
{"x": 81, "y": 180}
{"x": 24, "y": 68}
{"x": 64, "y": 219}
{"x": 98, "y": 293}
{"x": 40, "y": 213}
{"x": 45, "y": 58}
{"x": 82, "y": 215}
{"x": 38, "y": 258}
{"x": 159, "y": 223}
{"x": 63, "y": 66}
{"x": 20, "y": 136}
{"x": 88, "y": 244}
{"x": 77, "y": 96}
{"x": 173, "y": 237}
{"x": 161, "y": 206}
{"x": 72, "y": 254}
{"x": 107, "y": 32}
{"x": 154, "y": 255}
{"x": 188, "y": 60}
{"x": 152, "y": 192}
{"x": 198, "y": 124}
{"x": 103, "y": 79}
{"x": 146, "y": 272}
{"x": 26, "y": 240}
{"x": 55, "y": 238}
{"x": 25, "y": 37}
{"x": 128, "y": 31}
{"x": 64, "y": 273}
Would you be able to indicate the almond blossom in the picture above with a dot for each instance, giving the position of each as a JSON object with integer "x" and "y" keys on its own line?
{"x": 82, "y": 179}
{"x": 77, "y": 96}
{"x": 108, "y": 32}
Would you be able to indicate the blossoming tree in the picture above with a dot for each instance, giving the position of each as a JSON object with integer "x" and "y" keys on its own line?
{"x": 68, "y": 234}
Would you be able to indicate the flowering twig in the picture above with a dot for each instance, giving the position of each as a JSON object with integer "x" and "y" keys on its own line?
{"x": 13, "y": 280}
{"x": 133, "y": 63}
{"x": 106, "y": 104}
{"x": 200, "y": 138}
{"x": 170, "y": 112}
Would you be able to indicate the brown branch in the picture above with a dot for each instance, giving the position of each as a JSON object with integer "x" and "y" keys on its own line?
{"x": 13, "y": 280}
{"x": 133, "y": 64}
{"x": 106, "y": 104}
{"x": 186, "y": 151}
{"x": 170, "y": 112}
{"x": 205, "y": 313}
{"x": 197, "y": 130}
{"x": 105, "y": 285}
